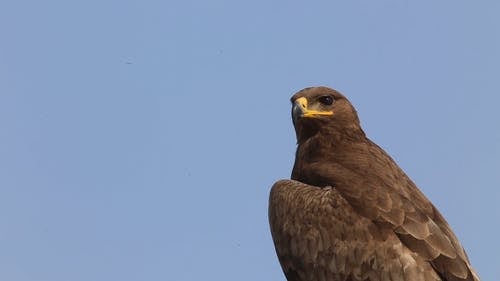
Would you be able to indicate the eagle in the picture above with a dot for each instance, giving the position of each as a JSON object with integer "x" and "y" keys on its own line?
{"x": 349, "y": 212}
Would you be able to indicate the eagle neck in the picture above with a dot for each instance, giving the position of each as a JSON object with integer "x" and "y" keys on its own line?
{"x": 323, "y": 147}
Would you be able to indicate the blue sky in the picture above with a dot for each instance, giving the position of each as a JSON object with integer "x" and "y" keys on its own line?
{"x": 140, "y": 138}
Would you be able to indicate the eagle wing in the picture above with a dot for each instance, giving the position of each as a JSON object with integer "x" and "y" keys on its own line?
{"x": 319, "y": 236}
{"x": 391, "y": 200}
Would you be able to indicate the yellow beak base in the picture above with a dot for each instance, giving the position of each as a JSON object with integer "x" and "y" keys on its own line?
{"x": 300, "y": 105}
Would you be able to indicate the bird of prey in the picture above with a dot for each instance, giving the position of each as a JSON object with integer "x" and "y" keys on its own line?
{"x": 349, "y": 212}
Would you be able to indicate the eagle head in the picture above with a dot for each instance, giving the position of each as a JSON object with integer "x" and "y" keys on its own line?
{"x": 323, "y": 110}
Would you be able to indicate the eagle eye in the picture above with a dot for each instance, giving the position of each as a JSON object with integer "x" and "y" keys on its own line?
{"x": 326, "y": 100}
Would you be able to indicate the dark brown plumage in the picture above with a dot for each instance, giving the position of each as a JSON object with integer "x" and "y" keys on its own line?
{"x": 349, "y": 212}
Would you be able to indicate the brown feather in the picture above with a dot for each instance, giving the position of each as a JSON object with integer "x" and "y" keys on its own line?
{"x": 355, "y": 247}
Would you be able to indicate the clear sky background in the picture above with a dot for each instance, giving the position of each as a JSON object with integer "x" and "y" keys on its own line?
{"x": 139, "y": 139}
